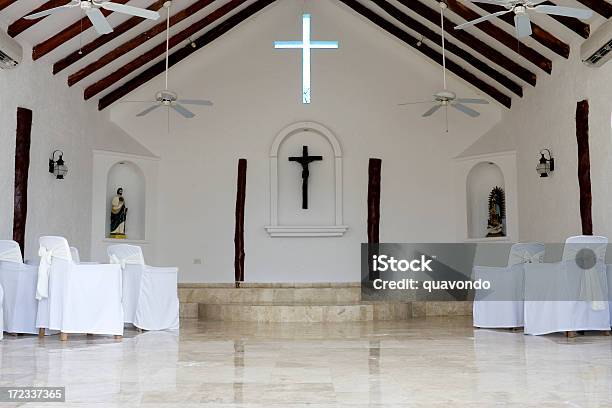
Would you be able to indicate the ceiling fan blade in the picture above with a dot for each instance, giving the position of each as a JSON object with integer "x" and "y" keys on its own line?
{"x": 468, "y": 111}
{"x": 198, "y": 102}
{"x": 49, "y": 11}
{"x": 473, "y": 101}
{"x": 583, "y": 14}
{"x": 432, "y": 111}
{"x": 148, "y": 110}
{"x": 481, "y": 19}
{"x": 523, "y": 25}
{"x": 414, "y": 103}
{"x": 186, "y": 113}
{"x": 99, "y": 21}
{"x": 131, "y": 10}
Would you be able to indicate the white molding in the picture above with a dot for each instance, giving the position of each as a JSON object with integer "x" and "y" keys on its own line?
{"x": 276, "y": 230}
{"x": 124, "y": 155}
{"x": 307, "y": 231}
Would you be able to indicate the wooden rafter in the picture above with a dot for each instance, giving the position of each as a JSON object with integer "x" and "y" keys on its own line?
{"x": 577, "y": 26}
{"x": 5, "y": 3}
{"x": 429, "y": 52}
{"x": 502, "y": 36}
{"x": 136, "y": 42}
{"x": 22, "y": 24}
{"x": 601, "y": 7}
{"x": 468, "y": 39}
{"x": 102, "y": 40}
{"x": 451, "y": 47}
{"x": 160, "y": 49}
{"x": 539, "y": 34}
{"x": 67, "y": 34}
{"x": 184, "y": 52}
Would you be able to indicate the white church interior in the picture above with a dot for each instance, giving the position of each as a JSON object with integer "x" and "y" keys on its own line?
{"x": 201, "y": 200}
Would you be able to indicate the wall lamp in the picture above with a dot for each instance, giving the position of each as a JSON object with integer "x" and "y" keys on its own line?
{"x": 546, "y": 165}
{"x": 58, "y": 167}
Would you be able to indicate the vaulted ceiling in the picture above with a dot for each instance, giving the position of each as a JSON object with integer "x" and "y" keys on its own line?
{"x": 108, "y": 67}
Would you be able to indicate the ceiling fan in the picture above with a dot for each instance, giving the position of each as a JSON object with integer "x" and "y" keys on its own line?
{"x": 92, "y": 9}
{"x": 446, "y": 98}
{"x": 167, "y": 98}
{"x": 522, "y": 8}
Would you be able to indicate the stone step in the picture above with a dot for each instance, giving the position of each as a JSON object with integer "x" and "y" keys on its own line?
{"x": 258, "y": 293}
{"x": 296, "y": 312}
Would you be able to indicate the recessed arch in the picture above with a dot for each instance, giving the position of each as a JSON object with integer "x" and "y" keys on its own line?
{"x": 129, "y": 176}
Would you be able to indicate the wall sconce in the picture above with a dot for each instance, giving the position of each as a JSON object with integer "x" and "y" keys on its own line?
{"x": 545, "y": 166}
{"x": 58, "y": 167}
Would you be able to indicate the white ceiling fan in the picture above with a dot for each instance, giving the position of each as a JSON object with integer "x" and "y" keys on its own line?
{"x": 521, "y": 10}
{"x": 166, "y": 97}
{"x": 92, "y": 9}
{"x": 446, "y": 98}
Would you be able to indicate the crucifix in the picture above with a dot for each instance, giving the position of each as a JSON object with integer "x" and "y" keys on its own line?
{"x": 306, "y": 45}
{"x": 305, "y": 160}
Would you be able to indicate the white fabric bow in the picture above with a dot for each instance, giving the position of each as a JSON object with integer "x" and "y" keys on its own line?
{"x": 128, "y": 260}
{"x": 115, "y": 260}
{"x": 591, "y": 285}
{"x": 42, "y": 286}
{"x": 524, "y": 257}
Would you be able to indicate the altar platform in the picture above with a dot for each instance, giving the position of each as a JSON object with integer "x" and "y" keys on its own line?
{"x": 301, "y": 302}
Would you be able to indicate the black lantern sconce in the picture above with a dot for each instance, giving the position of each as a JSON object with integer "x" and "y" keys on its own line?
{"x": 58, "y": 167}
{"x": 546, "y": 165}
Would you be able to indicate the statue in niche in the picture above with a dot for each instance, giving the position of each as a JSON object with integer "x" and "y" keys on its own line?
{"x": 497, "y": 213}
{"x": 118, "y": 216}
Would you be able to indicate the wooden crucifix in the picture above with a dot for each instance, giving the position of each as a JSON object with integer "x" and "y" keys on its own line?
{"x": 305, "y": 160}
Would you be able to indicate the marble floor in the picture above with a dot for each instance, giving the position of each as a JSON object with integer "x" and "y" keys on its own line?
{"x": 433, "y": 362}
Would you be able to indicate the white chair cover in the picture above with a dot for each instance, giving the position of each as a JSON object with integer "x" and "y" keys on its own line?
{"x": 74, "y": 252}
{"x": 609, "y": 273}
{"x": 10, "y": 252}
{"x": 19, "y": 283}
{"x": 79, "y": 298}
{"x": 503, "y": 306}
{"x": 150, "y": 300}
{"x": 564, "y": 297}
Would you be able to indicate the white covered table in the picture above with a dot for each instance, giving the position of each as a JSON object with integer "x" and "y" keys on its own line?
{"x": 19, "y": 283}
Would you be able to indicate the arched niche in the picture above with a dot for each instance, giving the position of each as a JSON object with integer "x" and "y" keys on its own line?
{"x": 130, "y": 177}
{"x": 283, "y": 223}
{"x": 481, "y": 179}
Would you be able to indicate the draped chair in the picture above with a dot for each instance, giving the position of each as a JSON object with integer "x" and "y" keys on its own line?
{"x": 150, "y": 299}
{"x": 77, "y": 298}
{"x": 19, "y": 283}
{"x": 502, "y": 305}
{"x": 1, "y": 313}
{"x": 570, "y": 295}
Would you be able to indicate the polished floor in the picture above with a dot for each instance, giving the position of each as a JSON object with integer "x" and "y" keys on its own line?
{"x": 433, "y": 362}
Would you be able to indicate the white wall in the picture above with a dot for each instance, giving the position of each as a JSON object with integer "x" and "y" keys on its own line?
{"x": 257, "y": 92}
{"x": 545, "y": 118}
{"x": 61, "y": 120}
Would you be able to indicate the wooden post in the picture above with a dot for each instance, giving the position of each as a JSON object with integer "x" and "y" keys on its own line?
{"x": 374, "y": 170}
{"x": 239, "y": 231}
{"x": 22, "y": 166}
{"x": 584, "y": 166}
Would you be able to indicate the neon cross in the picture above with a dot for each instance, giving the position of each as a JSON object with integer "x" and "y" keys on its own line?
{"x": 306, "y": 45}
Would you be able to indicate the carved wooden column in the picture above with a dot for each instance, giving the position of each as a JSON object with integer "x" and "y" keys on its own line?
{"x": 584, "y": 166}
{"x": 239, "y": 231}
{"x": 22, "y": 166}
{"x": 374, "y": 170}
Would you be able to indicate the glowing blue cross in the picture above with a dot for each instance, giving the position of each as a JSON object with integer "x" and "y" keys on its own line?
{"x": 306, "y": 45}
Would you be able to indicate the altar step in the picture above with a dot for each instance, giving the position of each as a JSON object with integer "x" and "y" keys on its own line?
{"x": 296, "y": 312}
{"x": 301, "y": 302}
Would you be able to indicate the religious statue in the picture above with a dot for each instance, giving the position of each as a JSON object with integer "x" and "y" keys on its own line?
{"x": 304, "y": 160}
{"x": 118, "y": 216}
{"x": 497, "y": 213}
